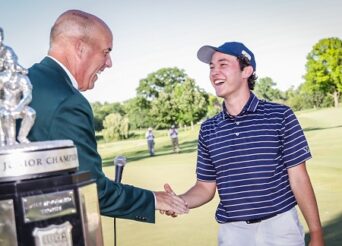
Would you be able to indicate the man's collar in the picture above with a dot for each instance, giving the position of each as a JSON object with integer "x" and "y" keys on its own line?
{"x": 250, "y": 106}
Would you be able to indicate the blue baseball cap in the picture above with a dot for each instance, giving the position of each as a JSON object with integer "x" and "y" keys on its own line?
{"x": 237, "y": 49}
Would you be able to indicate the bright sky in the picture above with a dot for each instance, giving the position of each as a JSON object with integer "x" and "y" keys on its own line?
{"x": 150, "y": 34}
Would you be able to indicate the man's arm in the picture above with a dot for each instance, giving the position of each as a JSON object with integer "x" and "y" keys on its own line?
{"x": 305, "y": 196}
{"x": 73, "y": 121}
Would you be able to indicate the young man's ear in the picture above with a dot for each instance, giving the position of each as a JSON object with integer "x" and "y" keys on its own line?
{"x": 247, "y": 71}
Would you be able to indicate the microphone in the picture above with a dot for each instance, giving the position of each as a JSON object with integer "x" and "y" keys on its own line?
{"x": 119, "y": 162}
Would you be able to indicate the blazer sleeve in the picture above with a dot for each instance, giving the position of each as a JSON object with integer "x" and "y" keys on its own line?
{"x": 74, "y": 120}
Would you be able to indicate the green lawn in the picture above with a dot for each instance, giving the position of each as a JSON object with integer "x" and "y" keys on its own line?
{"x": 323, "y": 129}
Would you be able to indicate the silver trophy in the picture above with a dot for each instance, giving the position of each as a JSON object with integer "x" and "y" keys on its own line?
{"x": 43, "y": 199}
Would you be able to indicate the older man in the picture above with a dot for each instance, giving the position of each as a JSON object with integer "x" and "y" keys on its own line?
{"x": 80, "y": 45}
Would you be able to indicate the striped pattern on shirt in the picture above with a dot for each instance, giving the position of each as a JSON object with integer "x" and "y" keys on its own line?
{"x": 248, "y": 156}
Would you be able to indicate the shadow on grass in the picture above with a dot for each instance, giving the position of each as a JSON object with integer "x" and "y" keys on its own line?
{"x": 185, "y": 147}
{"x": 320, "y": 128}
{"x": 332, "y": 232}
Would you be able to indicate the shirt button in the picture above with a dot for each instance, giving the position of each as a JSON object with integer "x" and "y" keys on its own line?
{"x": 237, "y": 123}
{"x": 237, "y": 134}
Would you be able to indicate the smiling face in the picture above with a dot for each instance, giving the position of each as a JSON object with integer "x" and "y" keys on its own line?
{"x": 95, "y": 58}
{"x": 226, "y": 76}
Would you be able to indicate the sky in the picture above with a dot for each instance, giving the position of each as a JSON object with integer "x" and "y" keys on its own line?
{"x": 150, "y": 34}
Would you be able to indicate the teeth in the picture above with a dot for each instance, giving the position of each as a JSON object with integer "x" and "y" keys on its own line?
{"x": 218, "y": 82}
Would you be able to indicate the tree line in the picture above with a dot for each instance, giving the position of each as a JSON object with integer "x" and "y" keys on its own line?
{"x": 170, "y": 97}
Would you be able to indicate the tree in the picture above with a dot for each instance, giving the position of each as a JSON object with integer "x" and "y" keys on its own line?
{"x": 214, "y": 105}
{"x": 169, "y": 95}
{"x": 163, "y": 80}
{"x": 164, "y": 111}
{"x": 137, "y": 110}
{"x": 102, "y": 110}
{"x": 297, "y": 99}
{"x": 191, "y": 101}
{"x": 324, "y": 70}
{"x": 264, "y": 89}
{"x": 115, "y": 127}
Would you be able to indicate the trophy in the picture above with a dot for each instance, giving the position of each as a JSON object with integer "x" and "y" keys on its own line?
{"x": 43, "y": 199}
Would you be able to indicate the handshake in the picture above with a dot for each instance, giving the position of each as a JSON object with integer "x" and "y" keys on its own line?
{"x": 167, "y": 202}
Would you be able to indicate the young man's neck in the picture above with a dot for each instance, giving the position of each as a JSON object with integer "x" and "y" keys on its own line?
{"x": 235, "y": 103}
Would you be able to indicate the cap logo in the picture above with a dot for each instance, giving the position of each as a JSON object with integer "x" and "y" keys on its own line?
{"x": 243, "y": 52}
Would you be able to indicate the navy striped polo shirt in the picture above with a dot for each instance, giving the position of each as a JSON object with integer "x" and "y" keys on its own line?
{"x": 248, "y": 156}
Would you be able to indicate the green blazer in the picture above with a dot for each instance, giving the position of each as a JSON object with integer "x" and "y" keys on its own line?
{"x": 64, "y": 113}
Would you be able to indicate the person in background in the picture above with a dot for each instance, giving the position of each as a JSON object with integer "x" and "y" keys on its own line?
{"x": 80, "y": 46}
{"x": 254, "y": 153}
{"x": 173, "y": 133}
{"x": 150, "y": 141}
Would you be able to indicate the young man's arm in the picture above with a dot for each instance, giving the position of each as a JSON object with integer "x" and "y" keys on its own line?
{"x": 305, "y": 196}
{"x": 199, "y": 194}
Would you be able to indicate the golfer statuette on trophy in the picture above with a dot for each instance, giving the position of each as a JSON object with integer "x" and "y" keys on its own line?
{"x": 43, "y": 199}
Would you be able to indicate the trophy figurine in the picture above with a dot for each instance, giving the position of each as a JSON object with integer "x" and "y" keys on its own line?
{"x": 16, "y": 94}
{"x": 44, "y": 200}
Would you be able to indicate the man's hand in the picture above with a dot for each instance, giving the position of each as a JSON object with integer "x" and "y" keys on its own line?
{"x": 169, "y": 190}
{"x": 169, "y": 203}
{"x": 316, "y": 239}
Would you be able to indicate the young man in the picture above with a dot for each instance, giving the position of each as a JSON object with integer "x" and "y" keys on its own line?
{"x": 80, "y": 45}
{"x": 254, "y": 154}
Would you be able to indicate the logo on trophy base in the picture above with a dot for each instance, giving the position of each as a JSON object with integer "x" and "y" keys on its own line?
{"x": 43, "y": 199}
{"x": 54, "y": 235}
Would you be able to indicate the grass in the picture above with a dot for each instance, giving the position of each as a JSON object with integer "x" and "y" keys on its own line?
{"x": 323, "y": 129}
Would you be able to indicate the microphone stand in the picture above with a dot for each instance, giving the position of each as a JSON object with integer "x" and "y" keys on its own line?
{"x": 119, "y": 163}
{"x": 114, "y": 231}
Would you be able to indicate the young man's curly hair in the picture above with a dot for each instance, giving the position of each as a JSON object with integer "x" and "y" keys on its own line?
{"x": 244, "y": 62}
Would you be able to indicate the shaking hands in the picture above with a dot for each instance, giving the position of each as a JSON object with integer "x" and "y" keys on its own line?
{"x": 169, "y": 203}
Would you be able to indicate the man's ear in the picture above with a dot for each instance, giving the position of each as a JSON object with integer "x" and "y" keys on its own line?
{"x": 247, "y": 71}
{"x": 80, "y": 48}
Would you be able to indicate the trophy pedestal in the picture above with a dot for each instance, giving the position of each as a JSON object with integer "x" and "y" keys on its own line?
{"x": 47, "y": 202}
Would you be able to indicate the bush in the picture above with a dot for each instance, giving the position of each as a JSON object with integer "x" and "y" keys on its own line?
{"x": 115, "y": 127}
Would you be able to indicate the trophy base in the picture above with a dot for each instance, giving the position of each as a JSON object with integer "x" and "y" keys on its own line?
{"x": 37, "y": 159}
{"x": 59, "y": 210}
{"x": 43, "y": 200}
